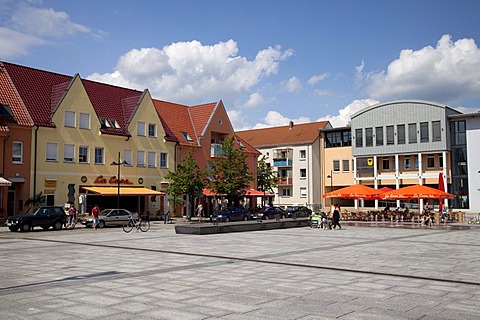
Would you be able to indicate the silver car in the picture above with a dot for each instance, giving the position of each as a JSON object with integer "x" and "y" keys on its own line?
{"x": 109, "y": 217}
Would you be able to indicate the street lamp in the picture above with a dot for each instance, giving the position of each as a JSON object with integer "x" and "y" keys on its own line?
{"x": 118, "y": 164}
{"x": 330, "y": 176}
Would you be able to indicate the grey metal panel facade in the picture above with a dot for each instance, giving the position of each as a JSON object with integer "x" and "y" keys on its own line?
{"x": 401, "y": 112}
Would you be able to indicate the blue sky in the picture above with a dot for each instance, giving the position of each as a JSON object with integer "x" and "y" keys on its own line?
{"x": 269, "y": 61}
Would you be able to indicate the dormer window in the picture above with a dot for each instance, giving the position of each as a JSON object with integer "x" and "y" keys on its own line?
{"x": 105, "y": 123}
{"x": 115, "y": 124}
{"x": 187, "y": 136}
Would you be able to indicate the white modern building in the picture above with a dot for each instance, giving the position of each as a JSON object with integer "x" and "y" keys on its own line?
{"x": 294, "y": 153}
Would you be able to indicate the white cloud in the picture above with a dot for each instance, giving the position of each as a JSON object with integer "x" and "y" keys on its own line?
{"x": 275, "y": 119}
{"x": 317, "y": 78}
{"x": 45, "y": 22}
{"x": 447, "y": 73}
{"x": 189, "y": 72}
{"x": 293, "y": 84}
{"x": 343, "y": 116}
{"x": 238, "y": 120}
{"x": 13, "y": 43}
{"x": 319, "y": 93}
{"x": 28, "y": 27}
{"x": 255, "y": 100}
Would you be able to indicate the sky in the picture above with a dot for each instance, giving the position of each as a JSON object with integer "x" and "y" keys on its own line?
{"x": 269, "y": 61}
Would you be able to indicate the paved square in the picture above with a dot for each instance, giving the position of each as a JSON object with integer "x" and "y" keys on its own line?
{"x": 298, "y": 273}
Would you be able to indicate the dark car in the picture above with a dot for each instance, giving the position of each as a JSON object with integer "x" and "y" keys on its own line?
{"x": 298, "y": 211}
{"x": 231, "y": 214}
{"x": 109, "y": 217}
{"x": 270, "y": 213}
{"x": 42, "y": 216}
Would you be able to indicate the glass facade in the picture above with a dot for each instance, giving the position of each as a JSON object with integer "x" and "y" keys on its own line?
{"x": 459, "y": 187}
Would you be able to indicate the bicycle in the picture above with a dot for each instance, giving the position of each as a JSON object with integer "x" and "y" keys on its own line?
{"x": 141, "y": 224}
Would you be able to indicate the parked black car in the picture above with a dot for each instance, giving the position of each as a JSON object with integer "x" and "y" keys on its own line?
{"x": 270, "y": 213}
{"x": 43, "y": 216}
{"x": 231, "y": 214}
{"x": 298, "y": 211}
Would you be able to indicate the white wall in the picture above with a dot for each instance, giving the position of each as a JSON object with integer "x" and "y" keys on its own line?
{"x": 473, "y": 154}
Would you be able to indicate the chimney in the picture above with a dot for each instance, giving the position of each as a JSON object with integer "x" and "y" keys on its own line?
{"x": 290, "y": 124}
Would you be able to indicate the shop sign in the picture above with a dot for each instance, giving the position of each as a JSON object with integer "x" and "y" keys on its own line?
{"x": 50, "y": 183}
{"x": 112, "y": 180}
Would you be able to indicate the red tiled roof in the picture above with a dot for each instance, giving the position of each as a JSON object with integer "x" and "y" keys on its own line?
{"x": 10, "y": 97}
{"x": 183, "y": 120}
{"x": 42, "y": 90}
{"x": 284, "y": 135}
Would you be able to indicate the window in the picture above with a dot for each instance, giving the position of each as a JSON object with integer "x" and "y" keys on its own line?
{"x": 440, "y": 161}
{"x": 390, "y": 135}
{"x": 303, "y": 192}
{"x": 69, "y": 119}
{"x": 99, "y": 155}
{"x": 163, "y": 160}
{"x": 49, "y": 199}
{"x": 346, "y": 138}
{"x": 152, "y": 157}
{"x": 400, "y": 134}
{"x": 386, "y": 164}
{"x": 379, "y": 136}
{"x": 303, "y": 173}
{"x": 140, "y": 128}
{"x": 424, "y": 132}
{"x": 152, "y": 130}
{"x": 51, "y": 151}
{"x": 368, "y": 137}
{"x": 127, "y": 156}
{"x": 436, "y": 131}
{"x": 345, "y": 165}
{"x": 358, "y": 138}
{"x": 412, "y": 133}
{"x": 84, "y": 121}
{"x": 83, "y": 154}
{"x": 303, "y": 154}
{"x": 140, "y": 158}
{"x": 186, "y": 136}
{"x": 430, "y": 161}
{"x": 68, "y": 153}
{"x": 415, "y": 162}
{"x": 17, "y": 152}
{"x": 406, "y": 163}
{"x": 336, "y": 165}
{"x": 286, "y": 192}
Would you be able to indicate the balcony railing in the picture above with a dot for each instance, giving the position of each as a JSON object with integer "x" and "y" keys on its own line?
{"x": 284, "y": 181}
{"x": 216, "y": 150}
{"x": 282, "y": 163}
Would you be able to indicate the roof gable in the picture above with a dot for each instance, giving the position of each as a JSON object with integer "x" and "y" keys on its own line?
{"x": 292, "y": 134}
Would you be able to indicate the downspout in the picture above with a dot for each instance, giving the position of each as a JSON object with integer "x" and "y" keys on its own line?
{"x": 35, "y": 161}
{"x": 3, "y": 155}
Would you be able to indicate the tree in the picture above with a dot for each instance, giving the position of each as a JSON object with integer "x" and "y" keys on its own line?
{"x": 187, "y": 180}
{"x": 266, "y": 179}
{"x": 37, "y": 200}
{"x": 228, "y": 174}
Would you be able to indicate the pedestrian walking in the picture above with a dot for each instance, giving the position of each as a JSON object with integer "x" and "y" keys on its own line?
{"x": 199, "y": 210}
{"x": 336, "y": 217}
{"x": 95, "y": 212}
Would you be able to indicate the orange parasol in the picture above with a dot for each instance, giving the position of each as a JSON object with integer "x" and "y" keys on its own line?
{"x": 356, "y": 191}
{"x": 416, "y": 192}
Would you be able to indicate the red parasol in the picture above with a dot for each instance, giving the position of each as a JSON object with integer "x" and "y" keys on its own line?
{"x": 441, "y": 187}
